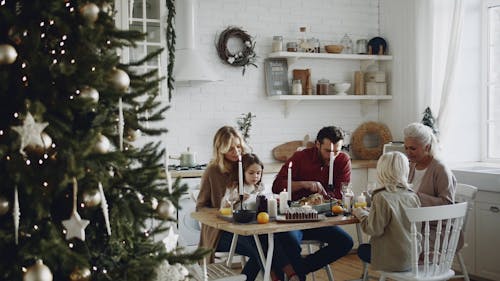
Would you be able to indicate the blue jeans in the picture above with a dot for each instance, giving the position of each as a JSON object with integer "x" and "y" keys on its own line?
{"x": 365, "y": 252}
{"x": 339, "y": 243}
{"x": 246, "y": 246}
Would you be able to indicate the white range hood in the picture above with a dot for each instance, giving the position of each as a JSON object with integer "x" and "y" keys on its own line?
{"x": 190, "y": 66}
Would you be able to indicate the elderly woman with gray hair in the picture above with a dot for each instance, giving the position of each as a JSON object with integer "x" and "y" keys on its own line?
{"x": 433, "y": 181}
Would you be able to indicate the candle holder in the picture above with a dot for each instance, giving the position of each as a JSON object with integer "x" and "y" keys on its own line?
{"x": 330, "y": 213}
{"x": 289, "y": 202}
{"x": 241, "y": 202}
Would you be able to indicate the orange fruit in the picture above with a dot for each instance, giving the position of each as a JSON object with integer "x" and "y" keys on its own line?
{"x": 262, "y": 217}
{"x": 337, "y": 209}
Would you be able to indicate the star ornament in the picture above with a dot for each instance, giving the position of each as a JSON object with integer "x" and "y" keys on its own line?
{"x": 75, "y": 227}
{"x": 30, "y": 132}
{"x": 171, "y": 240}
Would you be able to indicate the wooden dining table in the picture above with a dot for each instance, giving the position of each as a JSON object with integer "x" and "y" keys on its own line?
{"x": 211, "y": 217}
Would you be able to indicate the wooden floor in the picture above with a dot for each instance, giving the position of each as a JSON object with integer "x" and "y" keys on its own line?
{"x": 348, "y": 268}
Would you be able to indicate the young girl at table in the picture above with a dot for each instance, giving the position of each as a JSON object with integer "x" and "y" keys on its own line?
{"x": 386, "y": 222}
{"x": 252, "y": 180}
{"x": 227, "y": 143}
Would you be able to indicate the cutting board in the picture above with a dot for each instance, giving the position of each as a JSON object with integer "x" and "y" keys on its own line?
{"x": 284, "y": 151}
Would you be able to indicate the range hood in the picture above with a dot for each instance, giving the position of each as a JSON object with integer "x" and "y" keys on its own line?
{"x": 190, "y": 66}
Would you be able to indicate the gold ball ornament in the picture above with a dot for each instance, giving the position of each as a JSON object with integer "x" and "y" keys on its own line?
{"x": 131, "y": 135}
{"x": 165, "y": 209}
{"x": 8, "y": 54}
{"x": 119, "y": 79}
{"x": 80, "y": 274}
{"x": 90, "y": 12}
{"x": 89, "y": 93}
{"x": 38, "y": 272}
{"x": 91, "y": 198}
{"x": 37, "y": 149}
{"x": 103, "y": 145}
{"x": 4, "y": 205}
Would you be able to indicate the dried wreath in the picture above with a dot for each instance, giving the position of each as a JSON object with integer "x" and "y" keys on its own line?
{"x": 243, "y": 57}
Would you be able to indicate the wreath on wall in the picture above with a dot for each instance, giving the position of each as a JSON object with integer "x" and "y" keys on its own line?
{"x": 382, "y": 133}
{"x": 244, "y": 56}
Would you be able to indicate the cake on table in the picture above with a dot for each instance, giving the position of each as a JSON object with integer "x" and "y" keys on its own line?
{"x": 301, "y": 213}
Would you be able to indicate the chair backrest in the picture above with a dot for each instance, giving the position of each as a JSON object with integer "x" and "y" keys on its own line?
{"x": 447, "y": 221}
{"x": 466, "y": 193}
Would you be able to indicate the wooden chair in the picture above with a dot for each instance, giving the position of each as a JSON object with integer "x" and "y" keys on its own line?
{"x": 436, "y": 264}
{"x": 464, "y": 193}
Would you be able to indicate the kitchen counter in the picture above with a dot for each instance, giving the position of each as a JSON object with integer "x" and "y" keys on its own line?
{"x": 272, "y": 168}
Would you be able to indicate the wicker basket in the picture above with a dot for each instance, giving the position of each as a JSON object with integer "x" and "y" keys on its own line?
{"x": 334, "y": 49}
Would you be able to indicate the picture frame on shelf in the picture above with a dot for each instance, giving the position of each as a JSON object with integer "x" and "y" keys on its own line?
{"x": 276, "y": 73}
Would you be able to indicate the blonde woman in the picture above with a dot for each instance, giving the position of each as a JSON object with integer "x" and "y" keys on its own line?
{"x": 228, "y": 142}
{"x": 386, "y": 221}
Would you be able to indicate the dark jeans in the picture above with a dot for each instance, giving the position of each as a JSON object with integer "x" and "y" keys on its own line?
{"x": 246, "y": 246}
{"x": 365, "y": 252}
{"x": 338, "y": 244}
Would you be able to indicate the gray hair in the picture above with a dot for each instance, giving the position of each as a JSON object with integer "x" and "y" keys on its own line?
{"x": 392, "y": 170}
{"x": 424, "y": 135}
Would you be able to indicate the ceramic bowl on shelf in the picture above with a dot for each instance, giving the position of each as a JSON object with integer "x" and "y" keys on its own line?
{"x": 341, "y": 88}
{"x": 334, "y": 49}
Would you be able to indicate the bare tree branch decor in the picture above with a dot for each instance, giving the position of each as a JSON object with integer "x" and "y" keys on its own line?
{"x": 243, "y": 57}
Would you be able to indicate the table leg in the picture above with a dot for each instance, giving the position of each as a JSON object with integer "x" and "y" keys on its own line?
{"x": 229, "y": 261}
{"x": 270, "y": 249}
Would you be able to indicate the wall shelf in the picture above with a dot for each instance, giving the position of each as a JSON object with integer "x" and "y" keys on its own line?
{"x": 292, "y": 57}
{"x": 294, "y": 99}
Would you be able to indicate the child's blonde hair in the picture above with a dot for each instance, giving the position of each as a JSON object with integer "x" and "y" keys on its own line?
{"x": 392, "y": 170}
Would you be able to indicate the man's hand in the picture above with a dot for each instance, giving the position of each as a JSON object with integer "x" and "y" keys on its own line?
{"x": 317, "y": 187}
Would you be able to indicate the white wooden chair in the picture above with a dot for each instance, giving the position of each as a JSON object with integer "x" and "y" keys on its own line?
{"x": 310, "y": 244}
{"x": 214, "y": 272}
{"x": 436, "y": 264}
{"x": 464, "y": 193}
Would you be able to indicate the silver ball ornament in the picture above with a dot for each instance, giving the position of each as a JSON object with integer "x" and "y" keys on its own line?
{"x": 89, "y": 93}
{"x": 80, "y": 274}
{"x": 38, "y": 272}
{"x": 4, "y": 205}
{"x": 90, "y": 12}
{"x": 103, "y": 145}
{"x": 166, "y": 209}
{"x": 91, "y": 198}
{"x": 8, "y": 54}
{"x": 119, "y": 79}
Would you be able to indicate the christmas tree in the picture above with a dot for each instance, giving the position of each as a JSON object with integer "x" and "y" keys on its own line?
{"x": 79, "y": 199}
{"x": 429, "y": 121}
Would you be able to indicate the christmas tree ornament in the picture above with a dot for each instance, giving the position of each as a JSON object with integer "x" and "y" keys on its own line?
{"x": 38, "y": 272}
{"x": 103, "y": 145}
{"x": 8, "y": 54}
{"x": 107, "y": 8}
{"x": 170, "y": 240}
{"x": 119, "y": 79}
{"x": 89, "y": 93}
{"x": 121, "y": 122}
{"x": 104, "y": 207}
{"x": 75, "y": 226}
{"x": 131, "y": 134}
{"x": 16, "y": 214}
{"x": 165, "y": 209}
{"x": 91, "y": 198}
{"x": 80, "y": 274}
{"x": 30, "y": 132}
{"x": 154, "y": 203}
{"x": 4, "y": 205}
{"x": 90, "y": 12}
{"x": 47, "y": 142}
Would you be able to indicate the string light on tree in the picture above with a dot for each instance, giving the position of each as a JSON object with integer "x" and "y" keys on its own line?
{"x": 4, "y": 205}
{"x": 80, "y": 274}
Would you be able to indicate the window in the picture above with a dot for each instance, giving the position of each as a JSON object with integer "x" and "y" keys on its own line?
{"x": 492, "y": 79}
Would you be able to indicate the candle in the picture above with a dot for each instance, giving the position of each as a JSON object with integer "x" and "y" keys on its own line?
{"x": 289, "y": 182}
{"x": 272, "y": 207}
{"x": 240, "y": 174}
{"x": 330, "y": 171}
{"x": 283, "y": 201}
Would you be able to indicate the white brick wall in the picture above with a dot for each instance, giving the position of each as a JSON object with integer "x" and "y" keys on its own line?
{"x": 198, "y": 111}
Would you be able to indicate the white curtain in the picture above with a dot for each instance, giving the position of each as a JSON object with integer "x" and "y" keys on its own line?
{"x": 438, "y": 33}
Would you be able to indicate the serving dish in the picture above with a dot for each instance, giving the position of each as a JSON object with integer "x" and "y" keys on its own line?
{"x": 321, "y": 208}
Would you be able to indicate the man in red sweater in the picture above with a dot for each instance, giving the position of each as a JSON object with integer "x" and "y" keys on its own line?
{"x": 310, "y": 173}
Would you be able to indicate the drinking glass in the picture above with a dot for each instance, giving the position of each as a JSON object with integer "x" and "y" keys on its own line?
{"x": 232, "y": 196}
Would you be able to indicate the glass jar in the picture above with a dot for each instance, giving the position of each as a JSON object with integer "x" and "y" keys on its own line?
{"x": 291, "y": 47}
{"x": 347, "y": 43}
{"x": 296, "y": 87}
{"x": 277, "y": 43}
{"x": 322, "y": 87}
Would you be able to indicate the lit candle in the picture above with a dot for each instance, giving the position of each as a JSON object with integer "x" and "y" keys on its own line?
{"x": 240, "y": 174}
{"x": 289, "y": 183}
{"x": 330, "y": 171}
{"x": 283, "y": 201}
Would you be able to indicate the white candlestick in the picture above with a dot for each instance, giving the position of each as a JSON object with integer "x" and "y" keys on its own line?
{"x": 272, "y": 207}
{"x": 240, "y": 174}
{"x": 289, "y": 182}
{"x": 283, "y": 201}
{"x": 330, "y": 171}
